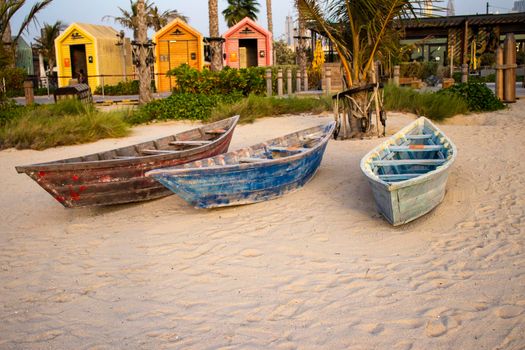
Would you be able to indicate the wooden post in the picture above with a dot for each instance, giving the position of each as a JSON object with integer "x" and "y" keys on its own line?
{"x": 499, "y": 73}
{"x": 305, "y": 80}
{"x": 373, "y": 78}
{"x": 328, "y": 77}
{"x": 396, "y": 75}
{"x": 28, "y": 92}
{"x": 269, "y": 82}
{"x": 464, "y": 73}
{"x": 298, "y": 81}
{"x": 289, "y": 81}
{"x": 464, "y": 50}
{"x": 509, "y": 48}
{"x": 280, "y": 82}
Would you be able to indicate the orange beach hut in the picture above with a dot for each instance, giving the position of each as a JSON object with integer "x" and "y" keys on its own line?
{"x": 177, "y": 43}
{"x": 248, "y": 45}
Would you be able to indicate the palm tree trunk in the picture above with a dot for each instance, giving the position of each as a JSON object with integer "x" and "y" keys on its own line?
{"x": 301, "y": 54}
{"x": 143, "y": 69}
{"x": 269, "y": 15}
{"x": 215, "y": 41}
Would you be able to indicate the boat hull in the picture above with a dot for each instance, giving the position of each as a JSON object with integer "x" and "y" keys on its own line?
{"x": 97, "y": 183}
{"x": 404, "y": 204}
{"x": 408, "y": 172}
{"x": 210, "y": 188}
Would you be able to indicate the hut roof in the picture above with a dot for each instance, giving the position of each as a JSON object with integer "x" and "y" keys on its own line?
{"x": 94, "y": 30}
{"x": 247, "y": 21}
{"x": 177, "y": 21}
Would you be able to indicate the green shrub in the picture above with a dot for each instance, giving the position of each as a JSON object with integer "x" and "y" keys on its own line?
{"x": 227, "y": 81}
{"x": 41, "y": 127}
{"x": 254, "y": 107}
{"x": 421, "y": 70}
{"x": 477, "y": 95}
{"x": 429, "y": 104}
{"x": 14, "y": 80}
{"x": 180, "y": 106}
{"x": 122, "y": 88}
{"x": 9, "y": 110}
{"x": 491, "y": 78}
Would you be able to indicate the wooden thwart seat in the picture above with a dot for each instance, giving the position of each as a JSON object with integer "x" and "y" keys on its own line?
{"x": 397, "y": 177}
{"x": 408, "y": 162}
{"x": 190, "y": 143}
{"x": 253, "y": 160}
{"x": 287, "y": 149}
{"x": 416, "y": 148}
{"x": 418, "y": 136}
{"x": 157, "y": 151}
{"x": 215, "y": 131}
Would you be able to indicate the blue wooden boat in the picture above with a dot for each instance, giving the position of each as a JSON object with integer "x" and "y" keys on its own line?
{"x": 408, "y": 172}
{"x": 253, "y": 174}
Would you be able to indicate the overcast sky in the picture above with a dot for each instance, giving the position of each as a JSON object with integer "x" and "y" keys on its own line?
{"x": 92, "y": 11}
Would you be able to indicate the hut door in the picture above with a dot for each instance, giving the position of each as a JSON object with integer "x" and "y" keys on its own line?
{"x": 249, "y": 46}
{"x": 78, "y": 63}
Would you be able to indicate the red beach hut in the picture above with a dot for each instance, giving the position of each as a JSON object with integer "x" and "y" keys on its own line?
{"x": 248, "y": 45}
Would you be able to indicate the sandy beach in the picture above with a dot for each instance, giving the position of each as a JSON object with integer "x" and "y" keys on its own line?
{"x": 316, "y": 269}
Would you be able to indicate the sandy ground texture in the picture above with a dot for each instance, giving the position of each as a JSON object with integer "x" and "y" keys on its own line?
{"x": 315, "y": 269}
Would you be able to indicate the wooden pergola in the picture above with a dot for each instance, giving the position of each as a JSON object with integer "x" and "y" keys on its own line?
{"x": 460, "y": 30}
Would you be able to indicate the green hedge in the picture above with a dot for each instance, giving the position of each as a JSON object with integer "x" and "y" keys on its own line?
{"x": 227, "y": 81}
{"x": 181, "y": 106}
{"x": 477, "y": 95}
{"x": 122, "y": 88}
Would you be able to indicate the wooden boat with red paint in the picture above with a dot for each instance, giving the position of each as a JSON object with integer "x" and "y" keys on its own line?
{"x": 117, "y": 176}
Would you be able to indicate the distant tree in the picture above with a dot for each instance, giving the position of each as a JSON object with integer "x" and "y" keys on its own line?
{"x": 239, "y": 9}
{"x": 269, "y": 15}
{"x": 46, "y": 42}
{"x": 159, "y": 19}
{"x": 154, "y": 17}
{"x": 284, "y": 55}
{"x": 8, "y": 9}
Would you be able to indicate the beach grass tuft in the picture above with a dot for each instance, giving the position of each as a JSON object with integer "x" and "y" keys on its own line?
{"x": 65, "y": 123}
{"x": 254, "y": 107}
{"x": 429, "y": 104}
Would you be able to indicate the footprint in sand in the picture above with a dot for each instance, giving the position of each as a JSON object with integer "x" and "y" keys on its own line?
{"x": 436, "y": 328}
{"x": 251, "y": 253}
{"x": 509, "y": 311}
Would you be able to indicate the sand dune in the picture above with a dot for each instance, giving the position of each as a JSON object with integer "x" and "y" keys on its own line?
{"x": 316, "y": 269}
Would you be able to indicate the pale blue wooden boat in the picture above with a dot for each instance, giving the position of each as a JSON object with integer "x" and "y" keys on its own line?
{"x": 408, "y": 172}
{"x": 253, "y": 174}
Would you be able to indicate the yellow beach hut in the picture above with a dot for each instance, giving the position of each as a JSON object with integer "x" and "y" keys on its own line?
{"x": 176, "y": 43}
{"x": 94, "y": 54}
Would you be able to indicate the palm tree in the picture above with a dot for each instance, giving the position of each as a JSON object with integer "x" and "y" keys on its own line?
{"x": 143, "y": 66}
{"x": 46, "y": 42}
{"x": 269, "y": 15}
{"x": 129, "y": 18}
{"x": 158, "y": 20}
{"x": 361, "y": 31}
{"x": 8, "y": 9}
{"x": 239, "y": 9}
{"x": 215, "y": 41}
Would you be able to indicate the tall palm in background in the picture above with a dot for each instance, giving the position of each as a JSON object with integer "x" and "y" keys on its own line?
{"x": 45, "y": 44}
{"x": 269, "y": 15}
{"x": 8, "y": 9}
{"x": 159, "y": 19}
{"x": 155, "y": 18}
{"x": 143, "y": 66}
{"x": 215, "y": 41}
{"x": 239, "y": 9}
